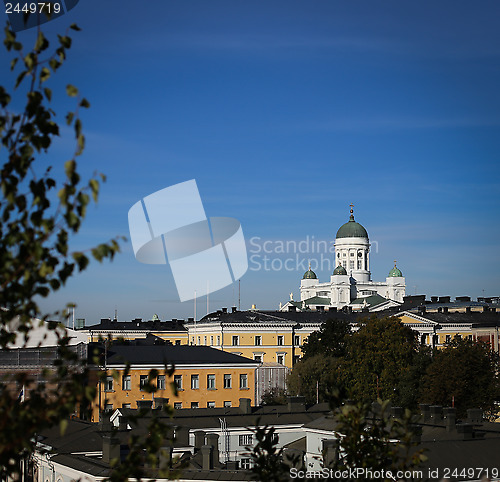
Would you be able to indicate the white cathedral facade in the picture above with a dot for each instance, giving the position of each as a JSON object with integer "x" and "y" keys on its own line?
{"x": 350, "y": 283}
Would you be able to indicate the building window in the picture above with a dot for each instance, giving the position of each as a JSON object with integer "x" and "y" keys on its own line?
{"x": 205, "y": 341}
{"x": 199, "y": 340}
{"x": 258, "y": 358}
{"x": 108, "y": 384}
{"x": 359, "y": 264}
{"x": 296, "y": 358}
{"x": 126, "y": 382}
{"x": 211, "y": 341}
{"x": 469, "y": 337}
{"x": 108, "y": 407}
{"x": 143, "y": 379}
{"x": 296, "y": 340}
{"x": 236, "y": 340}
{"x": 227, "y": 404}
{"x": 244, "y": 440}
{"x": 227, "y": 380}
{"x": 178, "y": 381}
{"x": 160, "y": 382}
{"x": 195, "y": 405}
{"x": 344, "y": 264}
{"x": 244, "y": 381}
{"x": 177, "y": 342}
{"x": 211, "y": 382}
{"x": 343, "y": 255}
{"x": 258, "y": 340}
{"x": 210, "y": 404}
{"x": 351, "y": 264}
{"x": 276, "y": 438}
{"x": 218, "y": 340}
{"x": 281, "y": 340}
{"x": 448, "y": 338}
{"x": 195, "y": 382}
{"x": 126, "y": 405}
{"x": 192, "y": 340}
{"x": 280, "y": 359}
{"x": 177, "y": 405}
{"x": 246, "y": 463}
{"x": 352, "y": 254}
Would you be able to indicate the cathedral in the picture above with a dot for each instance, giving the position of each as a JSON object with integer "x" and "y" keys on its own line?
{"x": 350, "y": 283}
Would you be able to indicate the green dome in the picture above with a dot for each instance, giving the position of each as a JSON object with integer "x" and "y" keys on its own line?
{"x": 352, "y": 229}
{"x": 339, "y": 270}
{"x": 395, "y": 272}
{"x": 309, "y": 274}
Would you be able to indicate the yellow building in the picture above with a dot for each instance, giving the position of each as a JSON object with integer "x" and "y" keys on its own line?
{"x": 263, "y": 336}
{"x": 204, "y": 377}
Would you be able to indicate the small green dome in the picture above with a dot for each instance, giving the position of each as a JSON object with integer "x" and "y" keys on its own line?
{"x": 352, "y": 229}
{"x": 309, "y": 274}
{"x": 339, "y": 270}
{"x": 395, "y": 272}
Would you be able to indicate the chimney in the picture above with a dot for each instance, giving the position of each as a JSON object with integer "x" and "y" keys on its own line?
{"x": 182, "y": 436}
{"x": 246, "y": 405}
{"x": 292, "y": 308}
{"x": 440, "y": 309}
{"x": 296, "y": 404}
{"x": 485, "y": 309}
{"x": 199, "y": 439}
{"x": 105, "y": 424}
{"x": 330, "y": 452}
{"x": 207, "y": 456}
{"x": 422, "y": 309}
{"x": 165, "y": 461}
{"x": 232, "y": 465}
{"x": 234, "y": 309}
{"x": 434, "y": 299}
{"x": 445, "y": 309}
{"x": 474, "y": 415}
{"x": 450, "y": 420}
{"x": 444, "y": 299}
{"x": 224, "y": 310}
{"x": 110, "y": 449}
{"x": 425, "y": 411}
{"x": 467, "y": 309}
{"x": 333, "y": 309}
{"x": 123, "y": 423}
{"x": 190, "y": 319}
{"x": 436, "y": 413}
{"x": 466, "y": 430}
{"x": 213, "y": 441}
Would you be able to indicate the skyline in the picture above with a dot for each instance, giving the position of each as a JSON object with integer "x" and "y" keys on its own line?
{"x": 285, "y": 113}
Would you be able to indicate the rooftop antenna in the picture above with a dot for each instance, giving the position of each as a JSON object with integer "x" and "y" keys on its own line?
{"x": 208, "y": 298}
{"x": 239, "y": 295}
{"x": 73, "y": 317}
{"x": 195, "y": 317}
{"x": 116, "y": 313}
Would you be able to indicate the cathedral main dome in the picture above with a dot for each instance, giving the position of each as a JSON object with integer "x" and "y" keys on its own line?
{"x": 352, "y": 229}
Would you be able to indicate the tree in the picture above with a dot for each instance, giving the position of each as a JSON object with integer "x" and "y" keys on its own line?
{"x": 330, "y": 340}
{"x": 316, "y": 377}
{"x": 274, "y": 396}
{"x": 465, "y": 374}
{"x": 38, "y": 214}
{"x": 380, "y": 356}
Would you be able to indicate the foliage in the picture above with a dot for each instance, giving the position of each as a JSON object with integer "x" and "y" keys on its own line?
{"x": 38, "y": 214}
{"x": 315, "y": 377}
{"x": 370, "y": 442}
{"x": 330, "y": 340}
{"x": 380, "y": 355}
{"x": 370, "y": 438}
{"x": 465, "y": 372}
{"x": 267, "y": 460}
{"x": 274, "y": 396}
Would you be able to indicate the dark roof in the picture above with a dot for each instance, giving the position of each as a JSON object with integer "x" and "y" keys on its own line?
{"x": 177, "y": 354}
{"x": 138, "y": 325}
{"x": 477, "y": 318}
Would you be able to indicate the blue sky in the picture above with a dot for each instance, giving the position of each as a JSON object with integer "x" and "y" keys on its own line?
{"x": 285, "y": 112}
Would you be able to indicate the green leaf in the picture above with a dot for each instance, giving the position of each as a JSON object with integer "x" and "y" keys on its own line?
{"x": 71, "y": 90}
